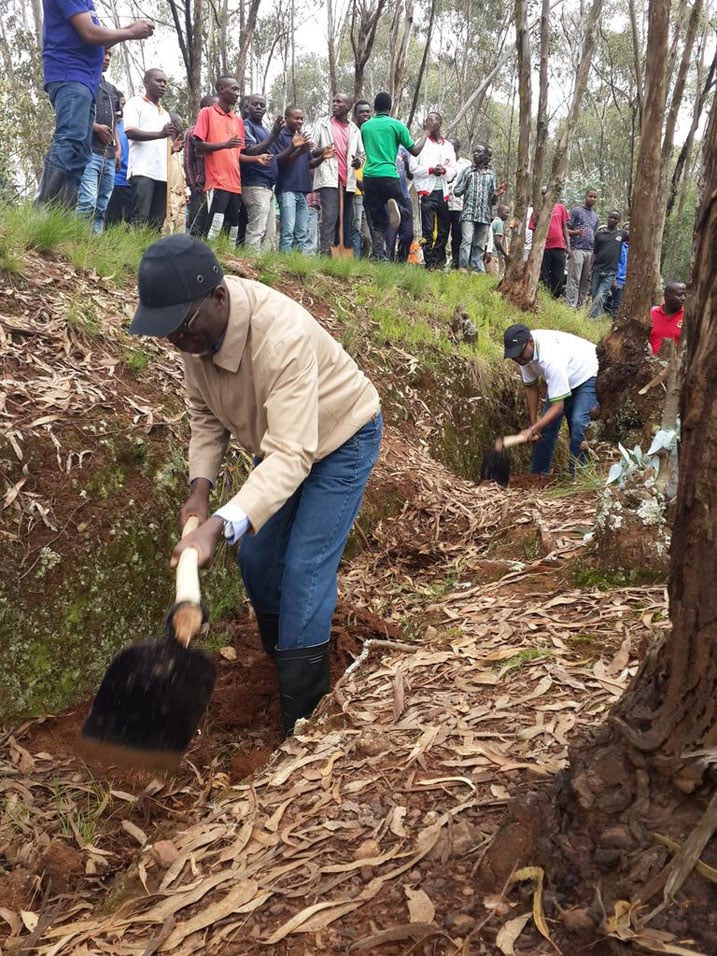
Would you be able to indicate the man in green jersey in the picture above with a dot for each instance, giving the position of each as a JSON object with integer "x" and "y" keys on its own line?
{"x": 382, "y": 135}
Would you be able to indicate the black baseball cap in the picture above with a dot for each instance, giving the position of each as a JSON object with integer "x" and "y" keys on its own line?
{"x": 514, "y": 339}
{"x": 173, "y": 271}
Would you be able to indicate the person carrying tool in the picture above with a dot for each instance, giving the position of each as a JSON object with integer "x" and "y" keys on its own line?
{"x": 259, "y": 368}
{"x": 569, "y": 366}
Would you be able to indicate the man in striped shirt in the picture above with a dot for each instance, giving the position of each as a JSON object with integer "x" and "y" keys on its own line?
{"x": 480, "y": 192}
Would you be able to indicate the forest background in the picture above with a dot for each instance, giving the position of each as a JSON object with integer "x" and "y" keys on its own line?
{"x": 457, "y": 56}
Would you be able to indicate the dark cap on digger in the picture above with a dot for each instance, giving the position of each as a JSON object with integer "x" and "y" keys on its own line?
{"x": 514, "y": 339}
{"x": 173, "y": 271}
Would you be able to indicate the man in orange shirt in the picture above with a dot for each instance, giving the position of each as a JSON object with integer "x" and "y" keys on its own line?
{"x": 219, "y": 135}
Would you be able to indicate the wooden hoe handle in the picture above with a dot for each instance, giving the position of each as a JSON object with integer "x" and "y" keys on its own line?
{"x": 187, "y": 619}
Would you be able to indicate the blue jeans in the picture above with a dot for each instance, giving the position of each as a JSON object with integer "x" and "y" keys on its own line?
{"x": 577, "y": 408}
{"x": 356, "y": 237}
{"x": 290, "y": 565}
{"x": 474, "y": 238}
{"x": 71, "y": 145}
{"x": 293, "y": 232}
{"x": 312, "y": 229}
{"x": 96, "y": 187}
{"x": 600, "y": 290}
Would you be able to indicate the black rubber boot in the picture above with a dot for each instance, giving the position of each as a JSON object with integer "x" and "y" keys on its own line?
{"x": 304, "y": 678}
{"x": 268, "y": 625}
{"x": 55, "y": 188}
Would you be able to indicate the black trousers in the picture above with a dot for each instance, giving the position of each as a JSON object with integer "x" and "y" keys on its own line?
{"x": 197, "y": 213}
{"x": 329, "y": 225}
{"x": 552, "y": 271}
{"x": 377, "y": 190}
{"x": 149, "y": 202}
{"x": 229, "y": 205}
{"x": 119, "y": 208}
{"x": 435, "y": 226}
{"x": 456, "y": 235}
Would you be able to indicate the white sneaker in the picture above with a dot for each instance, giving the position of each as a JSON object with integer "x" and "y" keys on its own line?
{"x": 394, "y": 214}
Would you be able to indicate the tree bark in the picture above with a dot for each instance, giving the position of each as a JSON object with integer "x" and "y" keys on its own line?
{"x": 541, "y": 127}
{"x": 623, "y": 351}
{"x": 686, "y": 150}
{"x": 637, "y": 60}
{"x": 511, "y": 284}
{"x": 364, "y": 22}
{"x": 247, "y": 35}
{"x": 424, "y": 60}
{"x": 399, "y": 36}
{"x": 524, "y": 294}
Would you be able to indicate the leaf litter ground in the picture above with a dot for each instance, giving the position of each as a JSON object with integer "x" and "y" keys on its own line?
{"x": 464, "y": 662}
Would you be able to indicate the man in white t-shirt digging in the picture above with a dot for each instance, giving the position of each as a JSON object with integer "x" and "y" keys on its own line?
{"x": 568, "y": 365}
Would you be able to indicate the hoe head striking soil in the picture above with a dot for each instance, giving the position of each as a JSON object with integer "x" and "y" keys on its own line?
{"x": 496, "y": 464}
{"x": 153, "y": 695}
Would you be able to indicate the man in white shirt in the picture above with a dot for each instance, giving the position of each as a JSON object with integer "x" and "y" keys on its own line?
{"x": 432, "y": 170}
{"x": 568, "y": 365}
{"x": 148, "y": 128}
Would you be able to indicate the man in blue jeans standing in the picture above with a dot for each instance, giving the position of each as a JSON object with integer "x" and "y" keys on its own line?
{"x": 568, "y": 365}
{"x": 259, "y": 368}
{"x": 98, "y": 178}
{"x": 73, "y": 45}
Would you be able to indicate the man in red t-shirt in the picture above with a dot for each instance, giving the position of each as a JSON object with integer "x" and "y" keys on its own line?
{"x": 219, "y": 136}
{"x": 666, "y": 319}
{"x": 557, "y": 247}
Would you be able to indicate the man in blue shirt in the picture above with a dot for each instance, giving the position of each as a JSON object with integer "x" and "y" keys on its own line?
{"x": 582, "y": 227}
{"x": 296, "y": 158}
{"x": 73, "y": 45}
{"x": 257, "y": 180}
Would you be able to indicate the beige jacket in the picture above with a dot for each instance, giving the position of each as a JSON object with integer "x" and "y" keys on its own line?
{"x": 280, "y": 385}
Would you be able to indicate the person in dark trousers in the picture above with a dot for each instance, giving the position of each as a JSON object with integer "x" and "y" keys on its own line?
{"x": 195, "y": 176}
{"x": 73, "y": 45}
{"x": 119, "y": 208}
{"x": 148, "y": 126}
{"x": 260, "y": 369}
{"x": 557, "y": 248}
{"x": 335, "y": 178}
{"x": 433, "y": 168}
{"x": 383, "y": 197}
{"x": 98, "y": 178}
{"x": 606, "y": 256}
{"x": 582, "y": 228}
{"x": 455, "y": 205}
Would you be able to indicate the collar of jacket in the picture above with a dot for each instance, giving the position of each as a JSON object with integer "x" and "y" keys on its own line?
{"x": 231, "y": 352}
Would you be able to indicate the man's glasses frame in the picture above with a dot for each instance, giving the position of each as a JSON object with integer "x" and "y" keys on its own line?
{"x": 189, "y": 321}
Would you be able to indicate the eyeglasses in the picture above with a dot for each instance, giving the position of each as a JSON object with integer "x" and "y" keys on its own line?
{"x": 188, "y": 322}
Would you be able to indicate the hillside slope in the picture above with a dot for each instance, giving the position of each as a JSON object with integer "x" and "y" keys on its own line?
{"x": 467, "y": 659}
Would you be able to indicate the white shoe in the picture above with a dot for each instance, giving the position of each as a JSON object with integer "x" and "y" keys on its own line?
{"x": 394, "y": 214}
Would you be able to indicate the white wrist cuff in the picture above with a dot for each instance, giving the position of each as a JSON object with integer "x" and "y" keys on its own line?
{"x": 236, "y": 523}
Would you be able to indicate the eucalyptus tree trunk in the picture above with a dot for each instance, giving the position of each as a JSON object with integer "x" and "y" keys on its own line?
{"x": 541, "y": 127}
{"x": 514, "y": 271}
{"x": 526, "y": 291}
{"x": 365, "y": 15}
{"x": 424, "y": 60}
{"x": 188, "y": 22}
{"x": 246, "y": 37}
{"x": 399, "y": 36}
{"x": 623, "y": 351}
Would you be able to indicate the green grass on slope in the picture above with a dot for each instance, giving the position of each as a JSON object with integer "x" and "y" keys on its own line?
{"x": 409, "y": 306}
